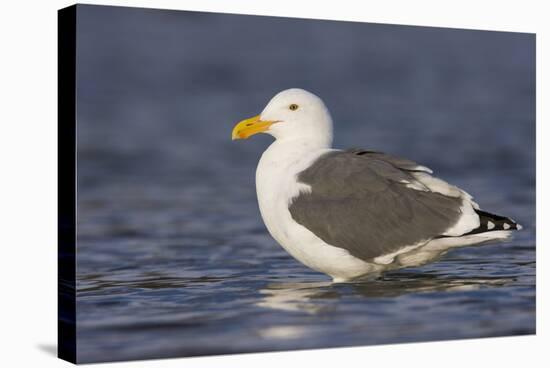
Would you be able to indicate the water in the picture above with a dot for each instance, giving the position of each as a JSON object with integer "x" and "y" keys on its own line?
{"x": 173, "y": 258}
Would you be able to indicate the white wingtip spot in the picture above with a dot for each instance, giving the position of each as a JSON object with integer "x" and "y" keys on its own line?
{"x": 506, "y": 226}
{"x": 519, "y": 227}
{"x": 490, "y": 225}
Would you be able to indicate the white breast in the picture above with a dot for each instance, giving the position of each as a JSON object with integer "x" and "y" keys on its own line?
{"x": 276, "y": 185}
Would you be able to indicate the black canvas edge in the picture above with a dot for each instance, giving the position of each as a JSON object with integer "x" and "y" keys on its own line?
{"x": 66, "y": 187}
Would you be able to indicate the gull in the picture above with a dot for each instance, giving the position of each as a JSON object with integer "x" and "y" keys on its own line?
{"x": 353, "y": 214}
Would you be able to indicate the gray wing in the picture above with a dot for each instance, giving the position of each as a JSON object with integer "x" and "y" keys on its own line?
{"x": 366, "y": 203}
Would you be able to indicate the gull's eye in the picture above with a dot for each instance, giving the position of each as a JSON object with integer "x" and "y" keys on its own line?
{"x": 293, "y": 107}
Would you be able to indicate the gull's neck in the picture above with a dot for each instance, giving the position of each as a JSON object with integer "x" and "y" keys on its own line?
{"x": 296, "y": 147}
{"x": 290, "y": 153}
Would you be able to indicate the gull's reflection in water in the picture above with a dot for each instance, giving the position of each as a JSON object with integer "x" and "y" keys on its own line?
{"x": 296, "y": 296}
{"x": 314, "y": 297}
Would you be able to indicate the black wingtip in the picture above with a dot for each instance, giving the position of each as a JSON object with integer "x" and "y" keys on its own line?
{"x": 491, "y": 222}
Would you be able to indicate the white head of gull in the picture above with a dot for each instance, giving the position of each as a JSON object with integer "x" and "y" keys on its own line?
{"x": 353, "y": 214}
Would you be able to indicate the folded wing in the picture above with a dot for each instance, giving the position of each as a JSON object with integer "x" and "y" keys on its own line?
{"x": 372, "y": 204}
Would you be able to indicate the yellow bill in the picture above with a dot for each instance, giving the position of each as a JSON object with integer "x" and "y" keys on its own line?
{"x": 249, "y": 127}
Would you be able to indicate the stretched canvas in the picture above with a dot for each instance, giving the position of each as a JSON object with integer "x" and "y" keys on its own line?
{"x": 175, "y": 240}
